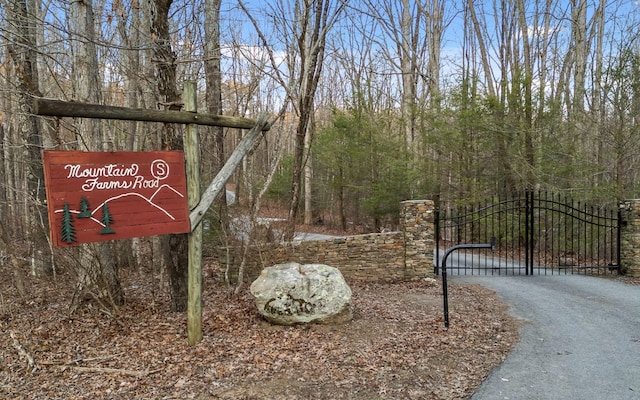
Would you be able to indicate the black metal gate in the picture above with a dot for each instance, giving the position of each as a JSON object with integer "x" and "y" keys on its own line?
{"x": 535, "y": 233}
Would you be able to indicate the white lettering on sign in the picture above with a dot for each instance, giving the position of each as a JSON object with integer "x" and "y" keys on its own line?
{"x": 94, "y": 176}
{"x": 141, "y": 183}
{"x": 94, "y": 184}
{"x": 106, "y": 171}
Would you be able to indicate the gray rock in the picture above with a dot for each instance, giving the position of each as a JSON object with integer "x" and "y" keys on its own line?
{"x": 291, "y": 293}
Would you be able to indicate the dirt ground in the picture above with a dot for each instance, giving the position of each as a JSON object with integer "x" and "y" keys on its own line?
{"x": 396, "y": 346}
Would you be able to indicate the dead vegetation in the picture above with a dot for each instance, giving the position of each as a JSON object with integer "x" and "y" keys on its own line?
{"x": 396, "y": 347}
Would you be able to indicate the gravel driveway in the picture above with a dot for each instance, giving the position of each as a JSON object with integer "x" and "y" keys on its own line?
{"x": 580, "y": 339}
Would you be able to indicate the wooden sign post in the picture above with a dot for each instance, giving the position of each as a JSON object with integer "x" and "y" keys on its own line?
{"x": 192, "y": 150}
{"x": 117, "y": 176}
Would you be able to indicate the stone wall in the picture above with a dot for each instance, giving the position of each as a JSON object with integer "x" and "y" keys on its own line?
{"x": 408, "y": 253}
{"x": 630, "y": 238}
{"x": 418, "y": 226}
{"x": 381, "y": 257}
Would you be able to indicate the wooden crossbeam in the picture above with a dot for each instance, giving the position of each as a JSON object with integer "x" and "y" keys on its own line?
{"x": 59, "y": 108}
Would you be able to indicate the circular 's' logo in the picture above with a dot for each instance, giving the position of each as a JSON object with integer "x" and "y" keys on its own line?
{"x": 160, "y": 169}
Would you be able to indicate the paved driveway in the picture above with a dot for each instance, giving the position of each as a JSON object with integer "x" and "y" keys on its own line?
{"x": 581, "y": 339}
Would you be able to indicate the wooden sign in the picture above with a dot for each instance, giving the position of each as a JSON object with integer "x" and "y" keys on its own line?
{"x": 100, "y": 196}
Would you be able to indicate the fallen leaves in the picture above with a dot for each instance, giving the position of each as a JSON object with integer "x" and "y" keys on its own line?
{"x": 395, "y": 348}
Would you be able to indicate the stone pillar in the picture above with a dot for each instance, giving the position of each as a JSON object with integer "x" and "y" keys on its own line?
{"x": 418, "y": 225}
{"x": 630, "y": 238}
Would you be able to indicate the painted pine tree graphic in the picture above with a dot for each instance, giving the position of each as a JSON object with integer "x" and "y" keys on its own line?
{"x": 84, "y": 208}
{"x": 68, "y": 231}
{"x": 106, "y": 220}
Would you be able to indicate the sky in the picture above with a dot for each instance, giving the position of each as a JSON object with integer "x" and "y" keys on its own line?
{"x": 244, "y": 53}
{"x": 622, "y": 24}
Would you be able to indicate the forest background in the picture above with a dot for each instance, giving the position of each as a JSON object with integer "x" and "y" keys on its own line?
{"x": 370, "y": 103}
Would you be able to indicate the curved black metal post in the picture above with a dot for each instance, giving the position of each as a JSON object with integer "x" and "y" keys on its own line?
{"x": 450, "y": 250}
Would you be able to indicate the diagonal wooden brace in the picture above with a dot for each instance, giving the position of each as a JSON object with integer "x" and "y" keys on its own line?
{"x": 216, "y": 186}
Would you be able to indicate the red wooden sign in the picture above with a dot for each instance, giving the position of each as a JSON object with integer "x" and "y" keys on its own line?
{"x": 98, "y": 196}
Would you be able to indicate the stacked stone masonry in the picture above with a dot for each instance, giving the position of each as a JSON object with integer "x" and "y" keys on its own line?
{"x": 630, "y": 238}
{"x": 380, "y": 257}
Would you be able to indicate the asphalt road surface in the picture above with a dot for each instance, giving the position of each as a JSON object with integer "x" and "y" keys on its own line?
{"x": 580, "y": 339}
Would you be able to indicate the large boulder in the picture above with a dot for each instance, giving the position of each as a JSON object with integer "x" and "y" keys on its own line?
{"x": 291, "y": 293}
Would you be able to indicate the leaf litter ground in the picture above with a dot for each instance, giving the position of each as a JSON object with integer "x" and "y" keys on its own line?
{"x": 396, "y": 346}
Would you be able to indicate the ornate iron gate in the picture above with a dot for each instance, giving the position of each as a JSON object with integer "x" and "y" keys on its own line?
{"x": 535, "y": 233}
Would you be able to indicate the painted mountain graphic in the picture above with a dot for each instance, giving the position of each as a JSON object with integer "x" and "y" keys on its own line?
{"x": 133, "y": 208}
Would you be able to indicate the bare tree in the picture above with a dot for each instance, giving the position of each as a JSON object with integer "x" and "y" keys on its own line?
{"x": 436, "y": 21}
{"x": 579, "y": 48}
{"x": 304, "y": 26}
{"x": 403, "y": 23}
{"x": 97, "y": 268}
{"x": 213, "y": 74}
{"x": 21, "y": 31}
{"x": 174, "y": 248}
{"x": 213, "y": 78}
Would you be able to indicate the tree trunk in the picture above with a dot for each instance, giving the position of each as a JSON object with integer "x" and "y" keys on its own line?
{"x": 313, "y": 21}
{"x": 340, "y": 203}
{"x": 130, "y": 251}
{"x": 408, "y": 74}
{"x": 3, "y": 194}
{"x": 308, "y": 175}
{"x": 482, "y": 48}
{"x": 213, "y": 77}
{"x": 597, "y": 112}
{"x": 97, "y": 271}
{"x": 435, "y": 27}
{"x": 580, "y": 48}
{"x": 22, "y": 50}
{"x": 528, "y": 94}
{"x": 175, "y": 246}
